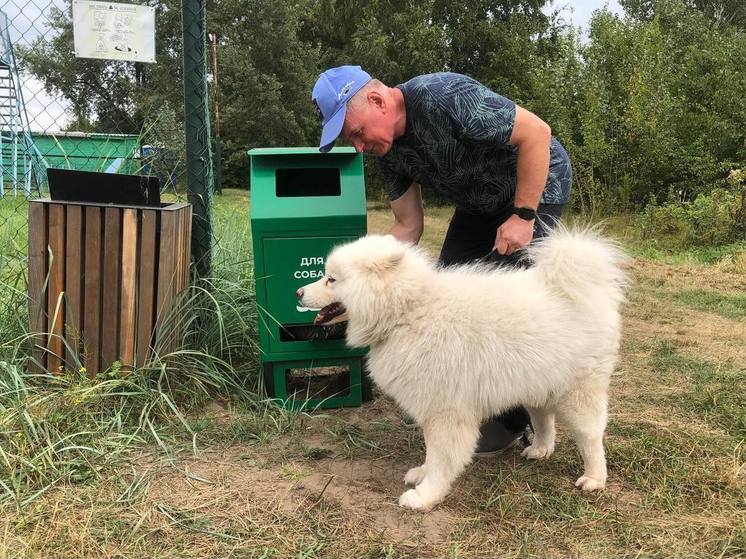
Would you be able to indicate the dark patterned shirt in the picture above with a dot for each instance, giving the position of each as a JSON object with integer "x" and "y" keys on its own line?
{"x": 456, "y": 141}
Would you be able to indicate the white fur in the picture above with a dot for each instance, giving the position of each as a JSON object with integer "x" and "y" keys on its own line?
{"x": 459, "y": 345}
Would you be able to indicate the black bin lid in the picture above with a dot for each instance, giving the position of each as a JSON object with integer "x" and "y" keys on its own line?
{"x": 103, "y": 188}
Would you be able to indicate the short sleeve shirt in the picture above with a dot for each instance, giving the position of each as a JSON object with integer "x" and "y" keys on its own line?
{"x": 456, "y": 141}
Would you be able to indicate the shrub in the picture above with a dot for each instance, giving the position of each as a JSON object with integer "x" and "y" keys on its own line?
{"x": 710, "y": 220}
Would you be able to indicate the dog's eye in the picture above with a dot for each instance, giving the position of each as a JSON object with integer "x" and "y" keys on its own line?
{"x": 330, "y": 279}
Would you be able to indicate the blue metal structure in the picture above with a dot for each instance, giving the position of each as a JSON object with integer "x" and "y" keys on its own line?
{"x": 17, "y": 149}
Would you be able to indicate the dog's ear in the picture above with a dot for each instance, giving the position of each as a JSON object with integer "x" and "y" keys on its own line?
{"x": 387, "y": 258}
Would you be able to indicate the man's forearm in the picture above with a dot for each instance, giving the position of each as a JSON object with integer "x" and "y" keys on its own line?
{"x": 409, "y": 220}
{"x": 532, "y": 171}
{"x": 406, "y": 234}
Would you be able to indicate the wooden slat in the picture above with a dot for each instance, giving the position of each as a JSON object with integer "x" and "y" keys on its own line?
{"x": 184, "y": 255}
{"x": 178, "y": 260}
{"x": 182, "y": 268}
{"x": 110, "y": 287}
{"x": 37, "y": 273}
{"x": 166, "y": 273}
{"x": 92, "y": 282}
{"x": 175, "y": 326}
{"x": 73, "y": 278}
{"x": 127, "y": 318}
{"x": 146, "y": 286}
{"x": 184, "y": 251}
{"x": 187, "y": 254}
{"x": 56, "y": 285}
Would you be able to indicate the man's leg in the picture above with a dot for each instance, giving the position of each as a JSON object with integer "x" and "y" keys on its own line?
{"x": 471, "y": 237}
{"x": 549, "y": 216}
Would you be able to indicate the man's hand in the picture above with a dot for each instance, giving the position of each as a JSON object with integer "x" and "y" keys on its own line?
{"x": 513, "y": 235}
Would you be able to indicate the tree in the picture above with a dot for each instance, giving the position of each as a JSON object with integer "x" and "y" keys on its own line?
{"x": 727, "y": 12}
{"x": 266, "y": 75}
{"x": 106, "y": 95}
{"x": 666, "y": 98}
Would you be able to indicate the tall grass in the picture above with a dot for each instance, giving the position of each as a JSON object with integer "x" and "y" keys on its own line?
{"x": 69, "y": 427}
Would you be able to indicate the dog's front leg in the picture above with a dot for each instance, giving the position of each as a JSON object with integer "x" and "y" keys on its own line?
{"x": 449, "y": 443}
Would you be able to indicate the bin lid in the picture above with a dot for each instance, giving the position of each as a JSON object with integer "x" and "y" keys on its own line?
{"x": 257, "y": 152}
{"x": 291, "y": 186}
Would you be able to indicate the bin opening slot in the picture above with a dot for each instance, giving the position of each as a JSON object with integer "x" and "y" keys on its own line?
{"x": 312, "y": 332}
{"x": 313, "y": 181}
{"x": 318, "y": 382}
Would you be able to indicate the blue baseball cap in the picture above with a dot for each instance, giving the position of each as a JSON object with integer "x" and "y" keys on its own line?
{"x": 333, "y": 89}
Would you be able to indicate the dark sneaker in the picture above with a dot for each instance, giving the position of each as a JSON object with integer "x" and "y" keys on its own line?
{"x": 495, "y": 438}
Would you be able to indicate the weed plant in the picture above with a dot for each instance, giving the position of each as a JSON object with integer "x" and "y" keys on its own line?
{"x": 69, "y": 426}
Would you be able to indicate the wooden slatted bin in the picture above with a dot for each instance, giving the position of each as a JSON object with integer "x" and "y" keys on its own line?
{"x": 105, "y": 282}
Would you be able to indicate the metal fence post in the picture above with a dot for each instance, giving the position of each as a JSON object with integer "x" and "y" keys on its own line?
{"x": 197, "y": 123}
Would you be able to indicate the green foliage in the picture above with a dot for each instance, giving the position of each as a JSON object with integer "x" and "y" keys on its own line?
{"x": 666, "y": 110}
{"x": 105, "y": 95}
{"x": 650, "y": 105}
{"x": 709, "y": 220}
{"x": 266, "y": 74}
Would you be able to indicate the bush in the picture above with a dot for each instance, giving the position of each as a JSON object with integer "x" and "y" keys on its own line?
{"x": 711, "y": 220}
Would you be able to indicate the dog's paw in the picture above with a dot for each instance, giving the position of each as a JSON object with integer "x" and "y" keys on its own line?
{"x": 413, "y": 500}
{"x": 536, "y": 452}
{"x": 589, "y": 484}
{"x": 414, "y": 476}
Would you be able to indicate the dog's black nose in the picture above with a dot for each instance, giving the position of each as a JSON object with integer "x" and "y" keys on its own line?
{"x": 299, "y": 293}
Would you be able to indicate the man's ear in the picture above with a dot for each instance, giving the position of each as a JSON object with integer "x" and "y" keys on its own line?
{"x": 377, "y": 100}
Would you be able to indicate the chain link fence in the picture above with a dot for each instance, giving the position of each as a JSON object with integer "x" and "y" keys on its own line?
{"x": 109, "y": 116}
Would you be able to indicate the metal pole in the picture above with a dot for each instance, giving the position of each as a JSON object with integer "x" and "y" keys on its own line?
{"x": 197, "y": 125}
{"x": 13, "y": 125}
{"x": 216, "y": 101}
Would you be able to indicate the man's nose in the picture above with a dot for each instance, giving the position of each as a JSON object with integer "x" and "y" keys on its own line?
{"x": 299, "y": 293}
{"x": 358, "y": 145}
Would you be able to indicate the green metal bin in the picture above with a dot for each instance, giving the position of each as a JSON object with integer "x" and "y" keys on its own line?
{"x": 303, "y": 203}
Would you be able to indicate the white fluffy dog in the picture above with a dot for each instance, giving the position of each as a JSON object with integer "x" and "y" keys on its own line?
{"x": 459, "y": 345}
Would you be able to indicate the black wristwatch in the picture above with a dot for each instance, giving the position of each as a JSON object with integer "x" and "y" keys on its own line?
{"x": 524, "y": 213}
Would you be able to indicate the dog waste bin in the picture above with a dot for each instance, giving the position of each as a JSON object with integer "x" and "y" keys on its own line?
{"x": 303, "y": 203}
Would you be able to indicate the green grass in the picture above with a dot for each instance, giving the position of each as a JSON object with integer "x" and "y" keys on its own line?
{"x": 184, "y": 457}
{"x": 69, "y": 428}
{"x": 626, "y": 228}
{"x": 693, "y": 255}
{"x": 714, "y": 391}
{"x": 729, "y": 305}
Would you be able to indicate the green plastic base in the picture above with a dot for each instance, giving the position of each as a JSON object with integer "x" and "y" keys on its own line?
{"x": 317, "y": 391}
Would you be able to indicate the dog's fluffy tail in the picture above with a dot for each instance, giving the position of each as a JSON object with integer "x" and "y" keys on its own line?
{"x": 581, "y": 264}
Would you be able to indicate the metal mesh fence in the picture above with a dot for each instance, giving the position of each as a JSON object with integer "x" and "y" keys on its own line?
{"x": 61, "y": 111}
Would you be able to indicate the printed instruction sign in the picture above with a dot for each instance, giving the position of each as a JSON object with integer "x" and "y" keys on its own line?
{"x": 114, "y": 31}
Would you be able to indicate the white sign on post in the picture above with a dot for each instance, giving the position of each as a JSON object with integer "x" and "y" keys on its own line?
{"x": 114, "y": 31}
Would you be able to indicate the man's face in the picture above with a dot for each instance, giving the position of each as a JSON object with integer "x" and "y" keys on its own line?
{"x": 368, "y": 128}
